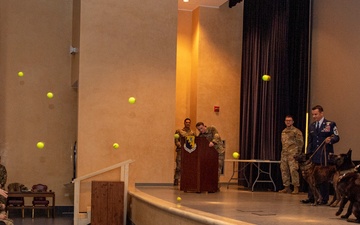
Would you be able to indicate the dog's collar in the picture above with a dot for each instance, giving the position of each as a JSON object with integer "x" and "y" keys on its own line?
{"x": 342, "y": 172}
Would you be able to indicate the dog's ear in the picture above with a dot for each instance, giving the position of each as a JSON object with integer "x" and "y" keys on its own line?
{"x": 349, "y": 152}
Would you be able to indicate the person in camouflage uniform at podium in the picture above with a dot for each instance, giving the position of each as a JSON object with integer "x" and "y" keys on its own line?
{"x": 292, "y": 144}
{"x": 182, "y": 133}
{"x": 213, "y": 136}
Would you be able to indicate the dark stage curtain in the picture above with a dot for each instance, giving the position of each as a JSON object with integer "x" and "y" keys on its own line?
{"x": 275, "y": 42}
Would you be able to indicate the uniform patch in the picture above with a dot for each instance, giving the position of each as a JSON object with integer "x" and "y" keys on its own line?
{"x": 326, "y": 128}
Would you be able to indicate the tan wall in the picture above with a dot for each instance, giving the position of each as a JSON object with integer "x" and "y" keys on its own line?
{"x": 129, "y": 52}
{"x": 186, "y": 66}
{"x": 35, "y": 36}
{"x": 75, "y": 43}
{"x": 208, "y": 71}
{"x": 335, "y": 68}
{"x": 218, "y": 79}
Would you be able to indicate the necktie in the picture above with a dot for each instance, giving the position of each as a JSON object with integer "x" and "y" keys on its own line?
{"x": 317, "y": 127}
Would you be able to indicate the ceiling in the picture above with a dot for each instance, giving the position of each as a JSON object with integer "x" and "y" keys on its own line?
{"x": 193, "y": 4}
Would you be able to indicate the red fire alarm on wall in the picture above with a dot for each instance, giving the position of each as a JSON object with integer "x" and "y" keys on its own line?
{"x": 216, "y": 108}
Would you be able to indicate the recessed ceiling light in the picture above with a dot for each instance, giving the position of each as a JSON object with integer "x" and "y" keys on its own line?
{"x": 185, "y": 0}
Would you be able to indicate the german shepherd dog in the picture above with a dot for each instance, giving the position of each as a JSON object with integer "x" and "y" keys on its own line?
{"x": 343, "y": 164}
{"x": 318, "y": 174}
{"x": 349, "y": 189}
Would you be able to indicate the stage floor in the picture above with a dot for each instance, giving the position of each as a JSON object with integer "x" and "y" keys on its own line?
{"x": 258, "y": 207}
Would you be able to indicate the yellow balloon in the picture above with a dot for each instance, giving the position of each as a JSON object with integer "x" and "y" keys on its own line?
{"x": 178, "y": 199}
{"x": 20, "y": 74}
{"x": 176, "y": 136}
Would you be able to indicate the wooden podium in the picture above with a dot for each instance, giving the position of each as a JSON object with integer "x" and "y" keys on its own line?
{"x": 199, "y": 169}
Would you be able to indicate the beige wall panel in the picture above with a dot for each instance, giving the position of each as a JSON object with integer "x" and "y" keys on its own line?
{"x": 220, "y": 49}
{"x": 35, "y": 36}
{"x": 194, "y": 65}
{"x": 335, "y": 68}
{"x": 127, "y": 50}
{"x": 184, "y": 67}
{"x": 75, "y": 43}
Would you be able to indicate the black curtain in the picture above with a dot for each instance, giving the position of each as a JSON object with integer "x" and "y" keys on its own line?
{"x": 275, "y": 42}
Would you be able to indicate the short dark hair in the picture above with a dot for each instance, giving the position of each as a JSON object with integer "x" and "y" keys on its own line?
{"x": 318, "y": 107}
{"x": 199, "y": 124}
{"x": 187, "y": 119}
{"x": 289, "y": 116}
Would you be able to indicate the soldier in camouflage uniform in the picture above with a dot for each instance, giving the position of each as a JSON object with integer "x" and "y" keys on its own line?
{"x": 212, "y": 135}
{"x": 292, "y": 144}
{"x": 3, "y": 216}
{"x": 3, "y": 178}
{"x": 3, "y": 196}
{"x": 186, "y": 131}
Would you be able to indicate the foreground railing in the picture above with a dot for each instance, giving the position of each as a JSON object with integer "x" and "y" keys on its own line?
{"x": 124, "y": 176}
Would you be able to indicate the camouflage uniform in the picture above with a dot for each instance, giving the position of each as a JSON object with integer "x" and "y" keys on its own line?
{"x": 292, "y": 143}
{"x": 182, "y": 133}
{"x": 213, "y": 136}
{"x": 3, "y": 178}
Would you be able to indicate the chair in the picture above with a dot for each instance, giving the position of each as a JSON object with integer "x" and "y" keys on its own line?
{"x": 39, "y": 201}
{"x": 15, "y": 201}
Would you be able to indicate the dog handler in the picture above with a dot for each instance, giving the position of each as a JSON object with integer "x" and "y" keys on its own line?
{"x": 321, "y": 131}
{"x": 292, "y": 144}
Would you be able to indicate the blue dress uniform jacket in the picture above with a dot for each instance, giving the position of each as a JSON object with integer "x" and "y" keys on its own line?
{"x": 316, "y": 137}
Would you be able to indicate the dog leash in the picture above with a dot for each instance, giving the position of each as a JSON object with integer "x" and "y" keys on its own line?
{"x": 324, "y": 149}
{"x": 317, "y": 149}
